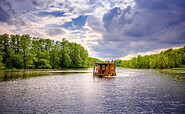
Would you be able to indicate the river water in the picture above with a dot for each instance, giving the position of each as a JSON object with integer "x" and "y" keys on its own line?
{"x": 78, "y": 91}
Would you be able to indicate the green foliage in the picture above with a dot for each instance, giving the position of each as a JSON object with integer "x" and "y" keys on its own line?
{"x": 65, "y": 59}
{"x": 43, "y": 63}
{"x": 55, "y": 55}
{"x": 15, "y": 60}
{"x": 1, "y": 63}
{"x": 29, "y": 52}
{"x": 118, "y": 62}
{"x": 74, "y": 53}
{"x": 91, "y": 61}
{"x": 164, "y": 60}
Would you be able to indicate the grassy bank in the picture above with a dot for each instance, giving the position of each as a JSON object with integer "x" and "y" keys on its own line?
{"x": 179, "y": 68}
{"x": 45, "y": 69}
{"x": 176, "y": 74}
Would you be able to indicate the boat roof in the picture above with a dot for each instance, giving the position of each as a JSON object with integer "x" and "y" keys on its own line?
{"x": 103, "y": 63}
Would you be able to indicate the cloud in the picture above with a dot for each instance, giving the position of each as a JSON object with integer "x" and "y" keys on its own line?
{"x": 55, "y": 31}
{"x": 110, "y": 17}
{"x": 8, "y": 14}
{"x": 108, "y": 29}
{"x": 129, "y": 56}
{"x": 94, "y": 24}
{"x": 5, "y": 28}
{"x": 37, "y": 2}
{"x": 147, "y": 26}
{"x": 13, "y": 15}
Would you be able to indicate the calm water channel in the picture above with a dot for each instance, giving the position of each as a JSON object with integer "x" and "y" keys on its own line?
{"x": 77, "y": 91}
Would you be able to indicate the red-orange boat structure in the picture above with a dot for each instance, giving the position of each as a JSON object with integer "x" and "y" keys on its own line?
{"x": 104, "y": 69}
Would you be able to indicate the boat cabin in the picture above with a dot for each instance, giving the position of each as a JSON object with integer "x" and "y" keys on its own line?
{"x": 104, "y": 69}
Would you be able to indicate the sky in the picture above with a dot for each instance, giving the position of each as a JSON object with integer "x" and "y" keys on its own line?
{"x": 108, "y": 29}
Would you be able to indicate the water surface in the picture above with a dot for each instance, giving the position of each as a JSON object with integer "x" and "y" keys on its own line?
{"x": 78, "y": 91}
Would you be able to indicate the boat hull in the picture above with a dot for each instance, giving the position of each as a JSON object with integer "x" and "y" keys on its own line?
{"x": 114, "y": 74}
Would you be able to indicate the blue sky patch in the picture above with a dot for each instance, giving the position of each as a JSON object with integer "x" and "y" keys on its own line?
{"x": 56, "y": 14}
{"x": 77, "y": 22}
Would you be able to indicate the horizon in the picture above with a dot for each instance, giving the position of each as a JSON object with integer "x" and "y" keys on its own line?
{"x": 107, "y": 29}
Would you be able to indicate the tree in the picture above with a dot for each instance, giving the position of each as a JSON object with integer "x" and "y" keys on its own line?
{"x": 1, "y": 61}
{"x": 84, "y": 56}
{"x": 5, "y": 45}
{"x": 54, "y": 55}
{"x": 23, "y": 51}
{"x": 24, "y": 45}
{"x": 65, "y": 59}
{"x": 165, "y": 59}
{"x": 14, "y": 60}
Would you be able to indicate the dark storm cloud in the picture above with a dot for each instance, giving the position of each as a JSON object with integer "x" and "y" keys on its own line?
{"x": 150, "y": 25}
{"x": 116, "y": 18}
{"x": 109, "y": 18}
{"x": 37, "y": 2}
{"x": 55, "y": 31}
{"x": 9, "y": 15}
{"x": 4, "y": 16}
{"x": 11, "y": 10}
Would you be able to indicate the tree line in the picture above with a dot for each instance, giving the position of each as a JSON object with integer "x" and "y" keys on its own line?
{"x": 26, "y": 52}
{"x": 163, "y": 60}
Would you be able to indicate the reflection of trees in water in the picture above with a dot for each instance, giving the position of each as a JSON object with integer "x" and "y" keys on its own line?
{"x": 11, "y": 75}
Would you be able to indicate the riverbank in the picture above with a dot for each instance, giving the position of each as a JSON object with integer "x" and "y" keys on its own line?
{"x": 178, "y": 68}
{"x": 44, "y": 69}
{"x": 177, "y": 74}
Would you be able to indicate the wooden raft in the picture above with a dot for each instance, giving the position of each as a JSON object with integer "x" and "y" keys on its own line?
{"x": 104, "y": 69}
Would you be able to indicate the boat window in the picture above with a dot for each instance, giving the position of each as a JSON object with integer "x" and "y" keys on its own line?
{"x": 103, "y": 67}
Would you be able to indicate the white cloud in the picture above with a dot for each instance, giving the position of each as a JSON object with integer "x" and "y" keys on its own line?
{"x": 129, "y": 56}
{"x": 5, "y": 28}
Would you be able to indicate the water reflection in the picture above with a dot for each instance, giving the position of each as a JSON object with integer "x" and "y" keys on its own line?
{"x": 104, "y": 77}
{"x": 78, "y": 91}
{"x": 14, "y": 75}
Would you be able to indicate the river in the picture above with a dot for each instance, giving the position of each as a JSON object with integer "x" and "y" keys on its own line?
{"x": 78, "y": 91}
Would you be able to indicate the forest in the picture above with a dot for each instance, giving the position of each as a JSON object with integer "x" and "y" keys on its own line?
{"x": 26, "y": 52}
{"x": 163, "y": 60}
